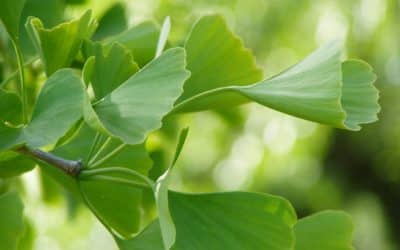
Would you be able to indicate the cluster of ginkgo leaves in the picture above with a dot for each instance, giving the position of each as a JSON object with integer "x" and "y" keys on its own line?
{"x": 104, "y": 93}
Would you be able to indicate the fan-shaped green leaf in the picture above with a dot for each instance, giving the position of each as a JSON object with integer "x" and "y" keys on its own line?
{"x": 328, "y": 230}
{"x": 141, "y": 40}
{"x": 138, "y": 105}
{"x": 63, "y": 40}
{"x": 235, "y": 220}
{"x": 320, "y": 88}
{"x": 111, "y": 68}
{"x": 58, "y": 107}
{"x": 10, "y": 14}
{"x": 216, "y": 57}
{"x": 11, "y": 217}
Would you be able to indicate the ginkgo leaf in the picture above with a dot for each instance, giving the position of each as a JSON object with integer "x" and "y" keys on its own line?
{"x": 10, "y": 14}
{"x": 138, "y": 105}
{"x": 328, "y": 230}
{"x": 216, "y": 57}
{"x": 234, "y": 220}
{"x": 11, "y": 217}
{"x": 320, "y": 88}
{"x": 63, "y": 40}
{"x": 58, "y": 107}
{"x": 104, "y": 196}
{"x": 141, "y": 40}
{"x": 111, "y": 68}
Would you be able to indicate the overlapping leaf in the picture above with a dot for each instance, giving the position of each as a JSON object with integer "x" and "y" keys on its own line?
{"x": 64, "y": 40}
{"x": 320, "y": 88}
{"x": 105, "y": 196}
{"x": 11, "y": 217}
{"x": 141, "y": 40}
{"x": 12, "y": 164}
{"x": 111, "y": 68}
{"x": 138, "y": 105}
{"x": 58, "y": 107}
{"x": 216, "y": 57}
{"x": 329, "y": 230}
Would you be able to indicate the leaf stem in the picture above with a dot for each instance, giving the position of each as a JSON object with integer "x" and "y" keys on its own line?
{"x": 107, "y": 157}
{"x": 22, "y": 90}
{"x": 93, "y": 146}
{"x": 72, "y": 168}
{"x": 101, "y": 149}
{"x": 92, "y": 172}
{"x": 16, "y": 73}
{"x": 117, "y": 180}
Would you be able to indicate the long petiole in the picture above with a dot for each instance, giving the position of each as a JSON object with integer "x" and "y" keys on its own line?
{"x": 93, "y": 146}
{"x": 20, "y": 61}
{"x": 120, "y": 170}
{"x": 117, "y": 180}
{"x": 110, "y": 155}
{"x": 101, "y": 149}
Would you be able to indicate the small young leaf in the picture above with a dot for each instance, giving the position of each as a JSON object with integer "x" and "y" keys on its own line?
{"x": 216, "y": 57}
{"x": 11, "y": 217}
{"x": 10, "y": 14}
{"x": 328, "y": 230}
{"x": 64, "y": 40}
{"x": 138, "y": 105}
{"x": 57, "y": 108}
{"x": 111, "y": 69}
{"x": 141, "y": 40}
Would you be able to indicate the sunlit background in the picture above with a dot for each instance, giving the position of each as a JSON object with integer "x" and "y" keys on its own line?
{"x": 257, "y": 149}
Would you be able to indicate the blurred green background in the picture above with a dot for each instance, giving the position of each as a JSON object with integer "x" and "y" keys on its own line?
{"x": 254, "y": 148}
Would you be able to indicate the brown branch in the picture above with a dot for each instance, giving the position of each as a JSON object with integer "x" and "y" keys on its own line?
{"x": 69, "y": 167}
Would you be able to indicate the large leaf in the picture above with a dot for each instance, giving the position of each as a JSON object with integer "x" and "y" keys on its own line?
{"x": 138, "y": 105}
{"x": 216, "y": 57}
{"x": 63, "y": 40}
{"x": 111, "y": 68}
{"x": 236, "y": 220}
{"x": 320, "y": 88}
{"x": 12, "y": 224}
{"x": 329, "y": 230}
{"x": 104, "y": 196}
{"x": 10, "y": 108}
{"x": 58, "y": 107}
{"x": 141, "y": 40}
{"x": 10, "y": 14}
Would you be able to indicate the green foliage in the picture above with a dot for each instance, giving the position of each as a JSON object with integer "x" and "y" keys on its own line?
{"x": 12, "y": 224}
{"x": 328, "y": 230}
{"x": 124, "y": 86}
